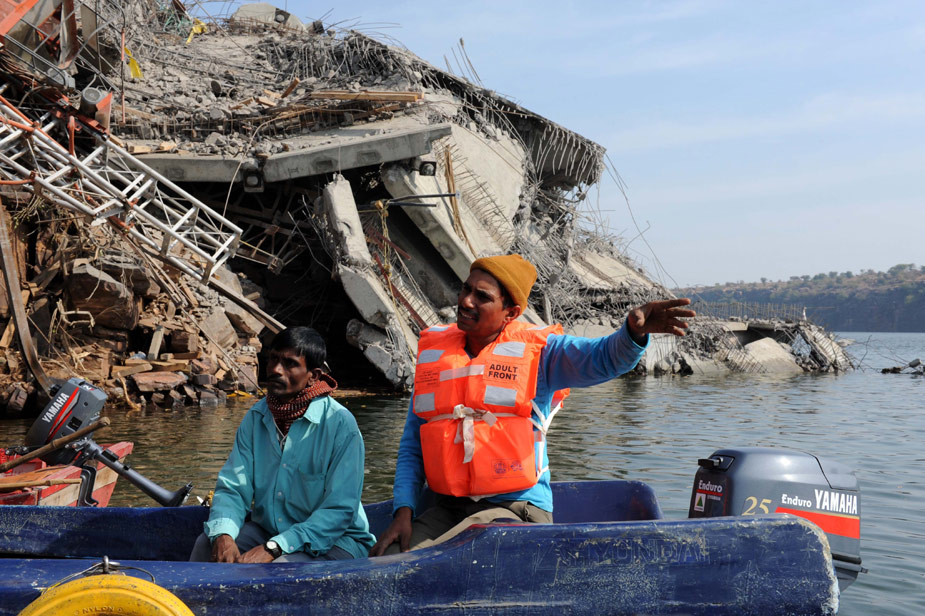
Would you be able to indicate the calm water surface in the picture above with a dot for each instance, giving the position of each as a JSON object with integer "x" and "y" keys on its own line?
{"x": 654, "y": 430}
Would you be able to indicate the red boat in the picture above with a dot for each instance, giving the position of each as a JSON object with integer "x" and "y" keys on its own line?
{"x": 57, "y": 485}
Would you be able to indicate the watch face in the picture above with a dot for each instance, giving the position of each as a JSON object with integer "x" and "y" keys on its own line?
{"x": 272, "y": 545}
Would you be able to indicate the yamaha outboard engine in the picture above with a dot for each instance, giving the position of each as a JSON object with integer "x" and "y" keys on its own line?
{"x": 760, "y": 480}
{"x": 74, "y": 404}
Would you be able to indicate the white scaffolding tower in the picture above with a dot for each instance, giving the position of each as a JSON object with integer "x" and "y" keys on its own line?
{"x": 107, "y": 184}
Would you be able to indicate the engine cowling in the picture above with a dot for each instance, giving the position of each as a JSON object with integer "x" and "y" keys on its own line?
{"x": 763, "y": 480}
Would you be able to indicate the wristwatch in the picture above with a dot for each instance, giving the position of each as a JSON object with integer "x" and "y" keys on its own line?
{"x": 273, "y": 548}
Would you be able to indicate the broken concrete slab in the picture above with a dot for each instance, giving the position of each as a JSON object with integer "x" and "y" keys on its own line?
{"x": 338, "y": 155}
{"x": 773, "y": 357}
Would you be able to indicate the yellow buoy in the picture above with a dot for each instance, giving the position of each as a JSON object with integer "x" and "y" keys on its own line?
{"x": 107, "y": 594}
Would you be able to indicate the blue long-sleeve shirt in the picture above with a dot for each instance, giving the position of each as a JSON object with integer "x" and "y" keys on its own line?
{"x": 566, "y": 361}
{"x": 305, "y": 492}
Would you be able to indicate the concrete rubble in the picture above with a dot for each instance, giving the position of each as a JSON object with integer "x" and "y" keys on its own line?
{"x": 243, "y": 172}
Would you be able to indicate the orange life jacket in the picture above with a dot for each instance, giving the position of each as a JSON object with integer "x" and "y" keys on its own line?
{"x": 479, "y": 437}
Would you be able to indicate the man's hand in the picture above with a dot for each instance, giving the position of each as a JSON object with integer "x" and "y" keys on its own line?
{"x": 224, "y": 550}
{"x": 399, "y": 530}
{"x": 258, "y": 554}
{"x": 664, "y": 317}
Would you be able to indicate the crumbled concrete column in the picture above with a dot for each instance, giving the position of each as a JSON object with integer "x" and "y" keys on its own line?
{"x": 356, "y": 273}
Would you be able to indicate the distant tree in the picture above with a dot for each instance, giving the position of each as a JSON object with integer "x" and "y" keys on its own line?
{"x": 833, "y": 274}
{"x": 805, "y": 277}
{"x": 848, "y": 275}
{"x": 764, "y": 280}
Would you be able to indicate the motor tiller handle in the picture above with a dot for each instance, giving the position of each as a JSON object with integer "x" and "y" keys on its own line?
{"x": 58, "y": 443}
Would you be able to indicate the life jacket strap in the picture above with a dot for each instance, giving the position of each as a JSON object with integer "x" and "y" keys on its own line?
{"x": 465, "y": 430}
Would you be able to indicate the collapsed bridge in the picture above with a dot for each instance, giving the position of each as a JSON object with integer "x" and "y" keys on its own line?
{"x": 184, "y": 183}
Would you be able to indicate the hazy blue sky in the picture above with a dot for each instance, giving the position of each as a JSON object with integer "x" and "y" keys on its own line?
{"x": 756, "y": 140}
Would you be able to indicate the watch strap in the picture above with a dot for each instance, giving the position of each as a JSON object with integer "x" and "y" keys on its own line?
{"x": 273, "y": 548}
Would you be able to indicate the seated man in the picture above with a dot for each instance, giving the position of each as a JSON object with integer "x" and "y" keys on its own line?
{"x": 485, "y": 391}
{"x": 298, "y": 458}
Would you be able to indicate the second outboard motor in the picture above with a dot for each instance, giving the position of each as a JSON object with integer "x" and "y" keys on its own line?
{"x": 760, "y": 480}
{"x": 74, "y": 404}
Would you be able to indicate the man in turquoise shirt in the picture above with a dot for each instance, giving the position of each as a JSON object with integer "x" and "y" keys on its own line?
{"x": 298, "y": 459}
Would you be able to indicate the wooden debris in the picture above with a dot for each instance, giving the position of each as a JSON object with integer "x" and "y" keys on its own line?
{"x": 170, "y": 356}
{"x": 120, "y": 372}
{"x": 155, "y": 348}
{"x": 174, "y": 365}
{"x": 291, "y": 88}
{"x": 243, "y": 103}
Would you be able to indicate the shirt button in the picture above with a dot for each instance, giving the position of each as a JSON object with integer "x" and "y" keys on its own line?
{"x": 279, "y": 493}
{"x": 279, "y": 519}
{"x": 284, "y": 466}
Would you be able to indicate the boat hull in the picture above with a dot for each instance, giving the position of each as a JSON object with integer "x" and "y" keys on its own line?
{"x": 61, "y": 494}
{"x": 747, "y": 565}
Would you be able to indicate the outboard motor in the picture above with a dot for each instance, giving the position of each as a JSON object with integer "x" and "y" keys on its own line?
{"x": 760, "y": 480}
{"x": 74, "y": 404}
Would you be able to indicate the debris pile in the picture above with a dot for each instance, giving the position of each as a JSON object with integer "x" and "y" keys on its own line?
{"x": 162, "y": 156}
{"x": 99, "y": 309}
{"x": 914, "y": 367}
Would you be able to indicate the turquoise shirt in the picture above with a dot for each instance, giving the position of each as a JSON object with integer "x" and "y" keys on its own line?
{"x": 305, "y": 493}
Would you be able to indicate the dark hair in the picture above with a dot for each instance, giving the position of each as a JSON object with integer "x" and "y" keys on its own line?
{"x": 506, "y": 300}
{"x": 305, "y": 341}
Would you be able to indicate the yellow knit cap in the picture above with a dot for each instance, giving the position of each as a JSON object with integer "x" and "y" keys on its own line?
{"x": 515, "y": 274}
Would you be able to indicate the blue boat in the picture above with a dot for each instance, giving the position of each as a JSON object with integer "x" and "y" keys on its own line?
{"x": 609, "y": 552}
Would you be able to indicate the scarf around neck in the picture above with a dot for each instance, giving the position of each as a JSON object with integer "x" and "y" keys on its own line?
{"x": 286, "y": 411}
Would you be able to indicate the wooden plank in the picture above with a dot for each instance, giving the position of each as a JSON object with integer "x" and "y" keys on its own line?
{"x": 292, "y": 86}
{"x": 45, "y": 278}
{"x": 189, "y": 294}
{"x": 144, "y": 115}
{"x": 366, "y": 95}
{"x": 156, "y": 340}
{"x": 120, "y": 372}
{"x": 243, "y": 103}
{"x": 172, "y": 365}
{"x": 18, "y": 485}
{"x": 186, "y": 356}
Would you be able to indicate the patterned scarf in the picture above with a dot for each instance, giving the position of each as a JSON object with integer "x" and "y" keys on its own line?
{"x": 287, "y": 411}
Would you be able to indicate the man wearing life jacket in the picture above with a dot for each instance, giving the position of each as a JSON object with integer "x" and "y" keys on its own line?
{"x": 485, "y": 391}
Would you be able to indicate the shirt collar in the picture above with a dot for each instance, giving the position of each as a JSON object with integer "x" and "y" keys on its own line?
{"x": 314, "y": 410}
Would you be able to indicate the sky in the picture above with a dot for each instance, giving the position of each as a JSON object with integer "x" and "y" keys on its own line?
{"x": 755, "y": 139}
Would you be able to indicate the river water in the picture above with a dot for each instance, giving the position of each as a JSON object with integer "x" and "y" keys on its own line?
{"x": 654, "y": 430}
